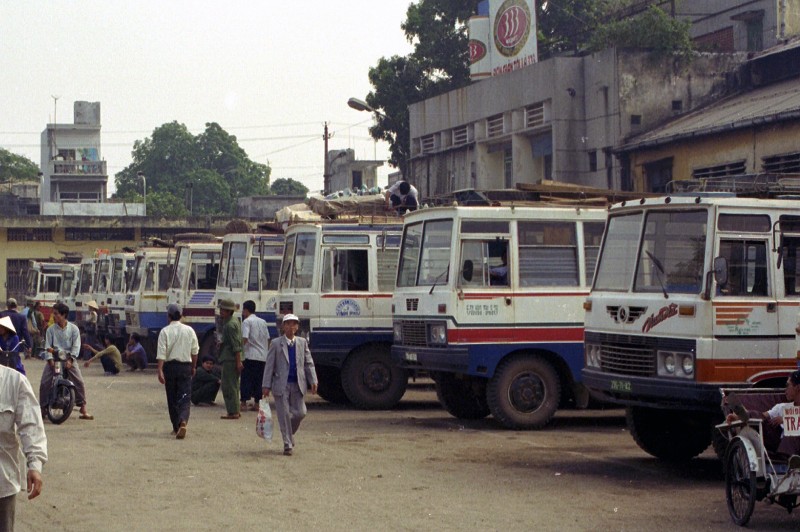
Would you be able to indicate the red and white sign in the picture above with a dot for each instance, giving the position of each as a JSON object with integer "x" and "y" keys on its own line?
{"x": 513, "y": 28}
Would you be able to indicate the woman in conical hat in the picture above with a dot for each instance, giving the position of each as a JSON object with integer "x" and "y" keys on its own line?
{"x": 9, "y": 342}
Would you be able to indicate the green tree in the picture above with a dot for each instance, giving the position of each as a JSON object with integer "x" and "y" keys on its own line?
{"x": 288, "y": 187}
{"x": 15, "y": 167}
{"x": 203, "y": 174}
{"x": 652, "y": 30}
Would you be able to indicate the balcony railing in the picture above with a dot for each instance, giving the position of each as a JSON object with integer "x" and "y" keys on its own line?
{"x": 66, "y": 168}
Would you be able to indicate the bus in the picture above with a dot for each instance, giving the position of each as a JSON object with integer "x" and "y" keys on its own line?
{"x": 47, "y": 283}
{"x": 488, "y": 301}
{"x": 250, "y": 268}
{"x": 146, "y": 297}
{"x": 192, "y": 286}
{"x": 338, "y": 279}
{"x": 694, "y": 291}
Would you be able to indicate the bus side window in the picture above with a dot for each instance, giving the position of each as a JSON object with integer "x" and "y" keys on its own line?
{"x": 747, "y": 268}
{"x": 791, "y": 282}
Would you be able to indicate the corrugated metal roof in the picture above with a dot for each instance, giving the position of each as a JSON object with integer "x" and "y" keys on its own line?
{"x": 773, "y": 103}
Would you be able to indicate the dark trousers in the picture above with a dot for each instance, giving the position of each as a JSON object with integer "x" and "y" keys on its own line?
{"x": 108, "y": 365}
{"x": 73, "y": 374}
{"x": 410, "y": 203}
{"x": 7, "y": 510}
{"x": 178, "y": 385}
{"x": 252, "y": 375}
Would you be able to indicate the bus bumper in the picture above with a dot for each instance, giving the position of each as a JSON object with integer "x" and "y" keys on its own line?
{"x": 653, "y": 392}
{"x": 451, "y": 360}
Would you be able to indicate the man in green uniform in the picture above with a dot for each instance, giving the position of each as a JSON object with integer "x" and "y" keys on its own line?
{"x": 230, "y": 357}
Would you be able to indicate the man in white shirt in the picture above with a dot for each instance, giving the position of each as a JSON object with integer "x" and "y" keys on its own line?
{"x": 177, "y": 360}
{"x": 21, "y": 428}
{"x": 255, "y": 336}
{"x": 402, "y": 196}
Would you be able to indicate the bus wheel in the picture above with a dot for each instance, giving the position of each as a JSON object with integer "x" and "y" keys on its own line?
{"x": 462, "y": 398}
{"x": 669, "y": 434}
{"x": 524, "y": 393}
{"x": 330, "y": 385}
{"x": 371, "y": 381}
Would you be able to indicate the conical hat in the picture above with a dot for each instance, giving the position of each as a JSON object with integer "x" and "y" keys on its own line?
{"x": 5, "y": 321}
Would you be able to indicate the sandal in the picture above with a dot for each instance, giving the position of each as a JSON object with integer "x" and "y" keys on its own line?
{"x": 230, "y": 416}
{"x": 86, "y": 416}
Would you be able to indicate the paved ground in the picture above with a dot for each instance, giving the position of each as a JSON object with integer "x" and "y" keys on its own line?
{"x": 411, "y": 468}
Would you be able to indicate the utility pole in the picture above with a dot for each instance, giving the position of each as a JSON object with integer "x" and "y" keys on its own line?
{"x": 55, "y": 124}
{"x": 326, "y": 172}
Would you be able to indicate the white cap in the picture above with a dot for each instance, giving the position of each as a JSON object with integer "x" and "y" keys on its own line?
{"x": 290, "y": 317}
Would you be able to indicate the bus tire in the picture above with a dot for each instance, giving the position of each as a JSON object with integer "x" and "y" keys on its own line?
{"x": 330, "y": 385}
{"x": 670, "y": 435}
{"x": 524, "y": 393}
{"x": 462, "y": 398}
{"x": 371, "y": 381}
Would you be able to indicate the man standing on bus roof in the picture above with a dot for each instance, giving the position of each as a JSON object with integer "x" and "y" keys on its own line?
{"x": 20, "y": 322}
{"x": 402, "y": 197}
{"x": 230, "y": 358}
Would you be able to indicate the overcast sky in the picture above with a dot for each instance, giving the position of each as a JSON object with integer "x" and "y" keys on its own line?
{"x": 269, "y": 72}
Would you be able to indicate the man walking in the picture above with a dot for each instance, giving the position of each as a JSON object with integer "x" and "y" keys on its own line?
{"x": 177, "y": 359}
{"x": 288, "y": 373}
{"x": 255, "y": 337}
{"x": 63, "y": 336}
{"x": 21, "y": 428}
{"x": 230, "y": 358}
{"x": 20, "y": 322}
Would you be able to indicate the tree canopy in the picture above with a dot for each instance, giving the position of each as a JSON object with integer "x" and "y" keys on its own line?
{"x": 440, "y": 59}
{"x": 15, "y": 167}
{"x": 187, "y": 174}
{"x": 288, "y": 187}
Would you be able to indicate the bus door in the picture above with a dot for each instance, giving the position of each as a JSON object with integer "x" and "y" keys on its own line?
{"x": 346, "y": 297}
{"x": 745, "y": 317}
{"x": 485, "y": 297}
{"x": 788, "y": 308}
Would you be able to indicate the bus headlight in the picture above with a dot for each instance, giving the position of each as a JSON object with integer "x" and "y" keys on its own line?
{"x": 437, "y": 334}
{"x": 592, "y": 355}
{"x": 688, "y": 365}
{"x": 397, "y": 332}
{"x": 675, "y": 364}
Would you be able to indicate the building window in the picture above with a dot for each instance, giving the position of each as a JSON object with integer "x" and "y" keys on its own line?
{"x": 495, "y": 125}
{"x": 787, "y": 163}
{"x": 460, "y": 135}
{"x": 508, "y": 168}
{"x": 358, "y": 179}
{"x": 86, "y": 233}
{"x": 636, "y": 120}
{"x": 534, "y": 115}
{"x": 593, "y": 161}
{"x": 720, "y": 170}
{"x": 428, "y": 143}
{"x": 755, "y": 37}
{"x": 658, "y": 174}
{"x": 149, "y": 233}
{"x": 29, "y": 235}
{"x": 677, "y": 106}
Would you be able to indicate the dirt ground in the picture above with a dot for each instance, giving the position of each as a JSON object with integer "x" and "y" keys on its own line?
{"x": 412, "y": 468}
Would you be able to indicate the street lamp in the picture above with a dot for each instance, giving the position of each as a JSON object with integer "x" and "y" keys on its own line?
{"x": 140, "y": 175}
{"x": 360, "y": 105}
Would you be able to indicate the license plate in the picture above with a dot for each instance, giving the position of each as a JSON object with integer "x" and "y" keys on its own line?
{"x": 411, "y": 357}
{"x": 620, "y": 386}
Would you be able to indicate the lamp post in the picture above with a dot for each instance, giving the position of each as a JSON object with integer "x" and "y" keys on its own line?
{"x": 141, "y": 176}
{"x": 360, "y": 105}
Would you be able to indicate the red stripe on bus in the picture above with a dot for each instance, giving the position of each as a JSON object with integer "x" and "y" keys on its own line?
{"x": 504, "y": 334}
{"x": 198, "y": 312}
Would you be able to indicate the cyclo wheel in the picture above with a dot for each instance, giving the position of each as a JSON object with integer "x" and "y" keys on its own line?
{"x": 740, "y": 483}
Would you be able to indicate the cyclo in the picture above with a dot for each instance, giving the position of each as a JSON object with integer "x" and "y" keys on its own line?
{"x": 753, "y": 470}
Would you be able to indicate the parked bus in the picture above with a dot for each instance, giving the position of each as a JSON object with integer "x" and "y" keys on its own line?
{"x": 249, "y": 270}
{"x": 488, "y": 301}
{"x": 192, "y": 286}
{"x": 338, "y": 278}
{"x": 146, "y": 298}
{"x": 110, "y": 294}
{"x": 47, "y": 282}
{"x": 693, "y": 292}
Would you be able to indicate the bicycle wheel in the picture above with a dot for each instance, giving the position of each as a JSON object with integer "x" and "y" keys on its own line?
{"x": 740, "y": 483}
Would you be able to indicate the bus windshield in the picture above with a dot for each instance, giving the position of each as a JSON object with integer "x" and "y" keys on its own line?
{"x": 298, "y": 261}
{"x": 181, "y": 265}
{"x": 85, "y": 285}
{"x": 138, "y": 273}
{"x": 656, "y": 251}
{"x": 425, "y": 254}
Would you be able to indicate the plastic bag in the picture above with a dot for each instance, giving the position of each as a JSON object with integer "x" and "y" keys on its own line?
{"x": 264, "y": 420}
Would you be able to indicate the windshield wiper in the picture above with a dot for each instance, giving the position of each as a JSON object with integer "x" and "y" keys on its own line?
{"x": 439, "y": 278}
{"x": 660, "y": 269}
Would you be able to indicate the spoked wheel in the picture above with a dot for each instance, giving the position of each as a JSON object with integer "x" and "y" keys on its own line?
{"x": 740, "y": 484}
{"x": 61, "y": 407}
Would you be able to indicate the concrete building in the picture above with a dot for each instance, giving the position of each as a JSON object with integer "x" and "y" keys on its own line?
{"x": 348, "y": 172}
{"x": 752, "y": 131}
{"x": 75, "y": 177}
{"x": 555, "y": 120}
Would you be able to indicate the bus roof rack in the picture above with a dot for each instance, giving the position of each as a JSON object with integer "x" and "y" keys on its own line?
{"x": 744, "y": 185}
{"x": 543, "y": 192}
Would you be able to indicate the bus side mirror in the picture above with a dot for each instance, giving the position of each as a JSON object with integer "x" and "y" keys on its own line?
{"x": 466, "y": 271}
{"x": 721, "y": 271}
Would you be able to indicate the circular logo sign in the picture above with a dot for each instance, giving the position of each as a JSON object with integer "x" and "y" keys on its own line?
{"x": 348, "y": 307}
{"x": 477, "y": 51}
{"x": 512, "y": 26}
{"x": 622, "y": 314}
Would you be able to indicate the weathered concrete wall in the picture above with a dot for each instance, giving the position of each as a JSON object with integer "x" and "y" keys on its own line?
{"x": 264, "y": 207}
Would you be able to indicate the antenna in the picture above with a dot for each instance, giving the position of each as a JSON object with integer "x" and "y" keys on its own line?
{"x": 55, "y": 121}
